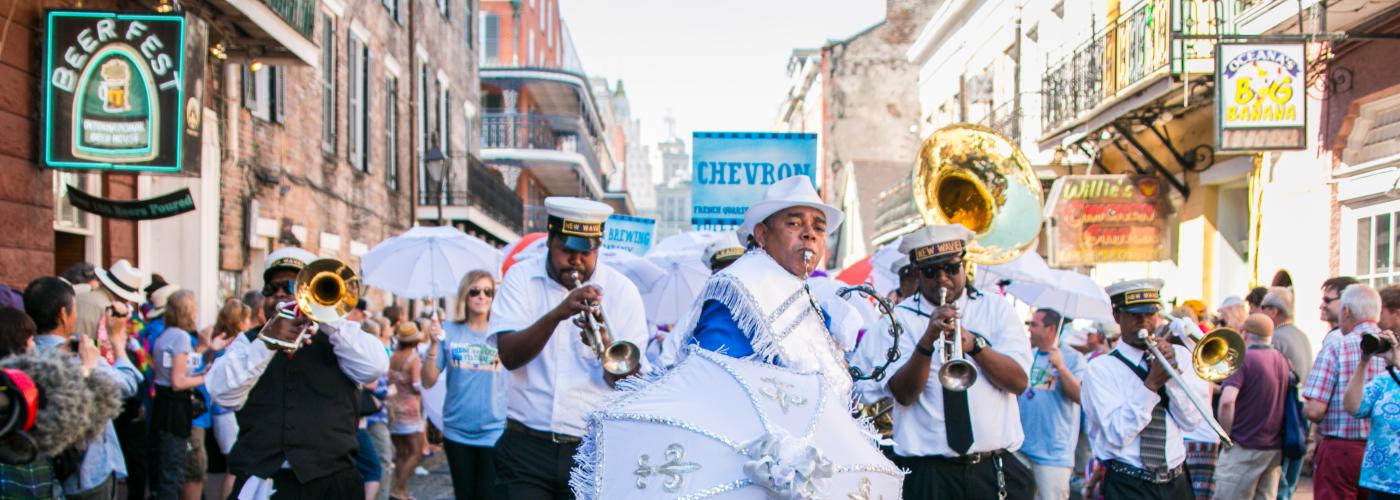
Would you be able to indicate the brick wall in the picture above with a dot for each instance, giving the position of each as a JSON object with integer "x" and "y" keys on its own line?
{"x": 26, "y": 202}
{"x": 529, "y": 22}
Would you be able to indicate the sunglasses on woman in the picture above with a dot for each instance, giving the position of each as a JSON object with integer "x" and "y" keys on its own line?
{"x": 933, "y": 270}
{"x": 477, "y": 292}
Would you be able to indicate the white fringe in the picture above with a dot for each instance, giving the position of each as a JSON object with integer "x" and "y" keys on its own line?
{"x": 584, "y": 476}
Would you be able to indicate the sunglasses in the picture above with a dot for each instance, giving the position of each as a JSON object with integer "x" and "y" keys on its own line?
{"x": 933, "y": 270}
{"x": 1329, "y": 300}
{"x": 271, "y": 288}
{"x": 477, "y": 292}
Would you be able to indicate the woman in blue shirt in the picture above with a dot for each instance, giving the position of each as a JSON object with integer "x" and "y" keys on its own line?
{"x": 475, "y": 409}
{"x": 174, "y": 408}
{"x": 1379, "y": 400}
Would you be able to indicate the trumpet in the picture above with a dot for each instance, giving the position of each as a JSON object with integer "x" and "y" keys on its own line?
{"x": 1212, "y": 343}
{"x": 957, "y": 373}
{"x": 326, "y": 291}
{"x": 619, "y": 358}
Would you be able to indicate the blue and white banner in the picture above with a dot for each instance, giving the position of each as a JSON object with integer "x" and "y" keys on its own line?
{"x": 733, "y": 169}
{"x": 632, "y": 234}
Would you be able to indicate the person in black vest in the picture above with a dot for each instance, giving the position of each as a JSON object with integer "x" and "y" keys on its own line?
{"x": 297, "y": 412}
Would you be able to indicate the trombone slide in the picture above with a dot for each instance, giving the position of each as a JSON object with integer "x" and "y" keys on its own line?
{"x": 1205, "y": 414}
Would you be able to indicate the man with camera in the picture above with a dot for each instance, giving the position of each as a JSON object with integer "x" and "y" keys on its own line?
{"x": 51, "y": 303}
{"x": 1337, "y": 461}
{"x": 297, "y": 407}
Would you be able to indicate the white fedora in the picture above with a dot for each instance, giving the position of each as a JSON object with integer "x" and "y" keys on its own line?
{"x": 795, "y": 191}
{"x": 125, "y": 280}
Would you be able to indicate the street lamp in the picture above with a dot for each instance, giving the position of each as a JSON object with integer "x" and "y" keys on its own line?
{"x": 438, "y": 166}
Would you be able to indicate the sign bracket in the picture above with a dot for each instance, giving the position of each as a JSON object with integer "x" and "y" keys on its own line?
{"x": 1156, "y": 165}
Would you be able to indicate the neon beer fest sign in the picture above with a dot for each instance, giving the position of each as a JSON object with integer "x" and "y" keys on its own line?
{"x": 113, "y": 92}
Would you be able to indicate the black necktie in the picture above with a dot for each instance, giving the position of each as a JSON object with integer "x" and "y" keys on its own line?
{"x": 957, "y": 422}
{"x": 1153, "y": 444}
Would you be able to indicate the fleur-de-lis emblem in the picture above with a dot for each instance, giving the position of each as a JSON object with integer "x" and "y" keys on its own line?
{"x": 864, "y": 492}
{"x": 674, "y": 469}
{"x": 780, "y": 392}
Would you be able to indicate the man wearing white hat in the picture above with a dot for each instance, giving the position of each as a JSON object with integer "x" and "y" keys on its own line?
{"x": 1136, "y": 418}
{"x": 760, "y": 307}
{"x": 120, "y": 291}
{"x": 297, "y": 411}
{"x": 955, "y": 443}
{"x": 556, "y": 377}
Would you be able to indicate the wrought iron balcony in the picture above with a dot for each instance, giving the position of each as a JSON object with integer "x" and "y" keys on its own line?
{"x": 1133, "y": 48}
{"x": 543, "y": 132}
{"x": 481, "y": 188}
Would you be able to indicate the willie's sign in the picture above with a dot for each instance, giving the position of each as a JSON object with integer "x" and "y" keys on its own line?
{"x": 117, "y": 91}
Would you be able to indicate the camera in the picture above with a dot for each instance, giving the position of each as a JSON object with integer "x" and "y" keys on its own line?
{"x": 1372, "y": 344}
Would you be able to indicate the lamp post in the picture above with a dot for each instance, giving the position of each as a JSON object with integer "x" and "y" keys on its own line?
{"x": 438, "y": 166}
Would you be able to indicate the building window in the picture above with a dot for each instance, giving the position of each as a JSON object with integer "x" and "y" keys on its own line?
{"x": 531, "y": 54}
{"x": 467, "y": 30}
{"x": 393, "y": 7}
{"x": 391, "y": 132}
{"x": 444, "y": 116}
{"x": 1377, "y": 258}
{"x": 328, "y": 64}
{"x": 490, "y": 38}
{"x": 263, "y": 92}
{"x": 66, "y": 216}
{"x": 358, "y": 110}
{"x": 442, "y": 8}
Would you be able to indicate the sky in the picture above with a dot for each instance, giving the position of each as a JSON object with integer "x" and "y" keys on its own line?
{"x": 716, "y": 65}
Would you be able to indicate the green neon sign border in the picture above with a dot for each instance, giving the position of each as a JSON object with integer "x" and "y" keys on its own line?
{"x": 48, "y": 93}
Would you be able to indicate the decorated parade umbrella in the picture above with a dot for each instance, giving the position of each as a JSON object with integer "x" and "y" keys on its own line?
{"x": 425, "y": 261}
{"x": 520, "y": 249}
{"x": 685, "y": 241}
{"x": 881, "y": 277}
{"x": 718, "y": 426}
{"x": 671, "y": 297}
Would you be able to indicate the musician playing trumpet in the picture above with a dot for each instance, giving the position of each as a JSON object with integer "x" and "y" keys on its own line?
{"x": 955, "y": 438}
{"x": 1135, "y": 412}
{"x": 548, "y": 316}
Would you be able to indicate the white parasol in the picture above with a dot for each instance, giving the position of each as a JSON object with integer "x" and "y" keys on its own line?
{"x": 426, "y": 262}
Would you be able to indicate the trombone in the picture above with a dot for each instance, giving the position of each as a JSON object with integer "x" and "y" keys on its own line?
{"x": 619, "y": 358}
{"x": 957, "y": 373}
{"x": 326, "y": 291}
{"x": 1214, "y": 358}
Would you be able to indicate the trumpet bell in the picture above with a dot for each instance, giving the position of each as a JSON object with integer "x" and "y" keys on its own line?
{"x": 622, "y": 357}
{"x": 327, "y": 290}
{"x": 957, "y": 375}
{"x": 971, "y": 175}
{"x": 1218, "y": 355}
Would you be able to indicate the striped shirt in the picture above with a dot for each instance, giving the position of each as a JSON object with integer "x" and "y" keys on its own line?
{"x": 1329, "y": 377}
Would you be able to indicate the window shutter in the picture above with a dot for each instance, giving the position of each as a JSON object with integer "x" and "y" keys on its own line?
{"x": 279, "y": 95}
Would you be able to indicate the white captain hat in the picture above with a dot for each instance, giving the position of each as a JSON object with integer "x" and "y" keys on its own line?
{"x": 934, "y": 244}
{"x": 1140, "y": 296}
{"x": 723, "y": 250}
{"x": 795, "y": 191}
{"x": 580, "y": 221}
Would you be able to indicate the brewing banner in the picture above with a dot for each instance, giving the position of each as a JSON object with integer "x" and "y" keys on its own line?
{"x": 118, "y": 93}
{"x": 1110, "y": 218}
{"x": 632, "y": 234}
{"x": 733, "y": 169}
{"x": 1260, "y": 98}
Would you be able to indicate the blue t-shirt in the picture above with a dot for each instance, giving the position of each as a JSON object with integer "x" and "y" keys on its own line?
{"x": 474, "y": 412}
{"x": 1050, "y": 419}
{"x": 1381, "y": 403}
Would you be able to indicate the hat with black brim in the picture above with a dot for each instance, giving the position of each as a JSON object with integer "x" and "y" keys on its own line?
{"x": 1140, "y": 296}
{"x": 578, "y": 221}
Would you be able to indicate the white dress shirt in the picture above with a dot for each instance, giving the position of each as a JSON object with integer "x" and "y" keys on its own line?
{"x": 232, "y": 376}
{"x": 996, "y": 418}
{"x": 1117, "y": 407}
{"x": 564, "y": 382}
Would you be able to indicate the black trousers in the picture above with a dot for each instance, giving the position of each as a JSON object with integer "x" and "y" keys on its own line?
{"x": 346, "y": 483}
{"x": 937, "y": 477}
{"x": 473, "y": 471}
{"x": 1116, "y": 486}
{"x": 534, "y": 468}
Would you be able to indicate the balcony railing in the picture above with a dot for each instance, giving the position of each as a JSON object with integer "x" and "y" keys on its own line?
{"x": 480, "y": 187}
{"x": 1135, "y": 46}
{"x": 300, "y": 14}
{"x": 1005, "y": 119}
{"x": 546, "y": 132}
